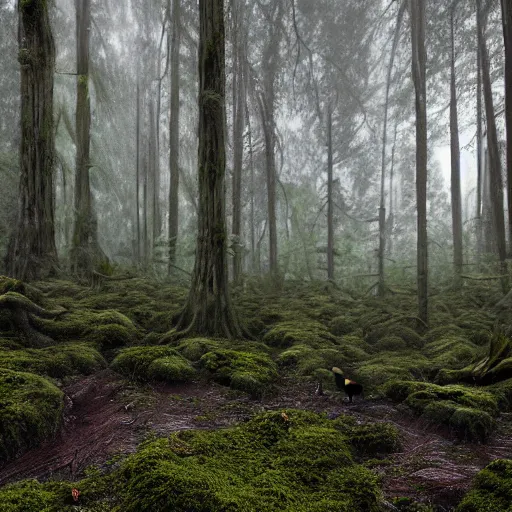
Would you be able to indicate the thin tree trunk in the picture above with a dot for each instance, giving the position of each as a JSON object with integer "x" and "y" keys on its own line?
{"x": 506, "y": 8}
{"x": 238, "y": 128}
{"x": 267, "y": 121}
{"x": 418, "y": 72}
{"x": 208, "y": 310}
{"x": 252, "y": 216}
{"x": 330, "y": 206}
{"x": 32, "y": 253}
{"x": 174, "y": 136}
{"x": 391, "y": 197}
{"x": 137, "y": 174}
{"x": 382, "y": 207}
{"x": 455, "y": 164}
{"x": 479, "y": 159}
{"x": 493, "y": 148}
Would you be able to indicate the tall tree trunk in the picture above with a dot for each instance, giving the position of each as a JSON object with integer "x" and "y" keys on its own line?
{"x": 252, "y": 215}
{"x": 493, "y": 149}
{"x": 506, "y": 8}
{"x": 391, "y": 195}
{"x": 417, "y": 9}
{"x": 266, "y": 106}
{"x": 174, "y": 135}
{"x": 86, "y": 253}
{"x": 32, "y": 253}
{"x": 238, "y": 129}
{"x": 382, "y": 207}
{"x": 330, "y": 206}
{"x": 479, "y": 159}
{"x": 137, "y": 175}
{"x": 455, "y": 163}
{"x": 208, "y": 310}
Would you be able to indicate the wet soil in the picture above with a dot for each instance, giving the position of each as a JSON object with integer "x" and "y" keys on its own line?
{"x": 106, "y": 417}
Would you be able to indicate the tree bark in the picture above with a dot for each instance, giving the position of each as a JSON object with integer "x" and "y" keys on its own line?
{"x": 417, "y": 10}
{"x": 506, "y": 9}
{"x": 382, "y": 207}
{"x": 137, "y": 174}
{"x": 174, "y": 136}
{"x": 208, "y": 310}
{"x": 455, "y": 164}
{"x": 86, "y": 253}
{"x": 238, "y": 129}
{"x": 496, "y": 184}
{"x": 32, "y": 253}
{"x": 330, "y": 206}
{"x": 479, "y": 159}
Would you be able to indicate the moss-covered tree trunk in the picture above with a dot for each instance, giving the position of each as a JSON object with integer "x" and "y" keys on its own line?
{"x": 32, "y": 252}
{"x": 86, "y": 253}
{"x": 174, "y": 136}
{"x": 208, "y": 310}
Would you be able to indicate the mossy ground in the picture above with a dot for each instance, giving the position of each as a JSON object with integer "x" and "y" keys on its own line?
{"x": 301, "y": 332}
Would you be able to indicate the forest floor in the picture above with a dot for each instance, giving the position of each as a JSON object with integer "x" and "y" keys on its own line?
{"x": 106, "y": 418}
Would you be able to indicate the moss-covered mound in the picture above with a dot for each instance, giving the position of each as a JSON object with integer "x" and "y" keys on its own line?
{"x": 492, "y": 489}
{"x": 244, "y": 371}
{"x": 30, "y": 411}
{"x": 469, "y": 412}
{"x": 451, "y": 352}
{"x": 290, "y": 461}
{"x": 108, "y": 328}
{"x": 301, "y": 330}
{"x": 386, "y": 366}
{"x": 409, "y": 336}
{"x": 56, "y": 361}
{"x": 153, "y": 363}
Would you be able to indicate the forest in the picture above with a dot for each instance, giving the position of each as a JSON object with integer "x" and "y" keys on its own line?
{"x": 255, "y": 255}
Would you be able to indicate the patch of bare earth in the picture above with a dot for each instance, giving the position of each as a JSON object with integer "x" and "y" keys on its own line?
{"x": 106, "y": 416}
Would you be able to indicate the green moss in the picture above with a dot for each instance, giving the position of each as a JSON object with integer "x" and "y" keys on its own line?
{"x": 390, "y": 344}
{"x": 387, "y": 366}
{"x": 56, "y": 361}
{"x": 8, "y": 284}
{"x": 111, "y": 336}
{"x": 492, "y": 489}
{"x": 305, "y": 360}
{"x": 371, "y": 439}
{"x": 342, "y": 324}
{"x": 194, "y": 348}
{"x": 244, "y": 371}
{"x": 443, "y": 331}
{"x": 451, "y": 352}
{"x": 469, "y": 412}
{"x": 30, "y": 411}
{"x": 90, "y": 325}
{"x": 308, "y": 332}
{"x": 153, "y": 363}
{"x": 411, "y": 338}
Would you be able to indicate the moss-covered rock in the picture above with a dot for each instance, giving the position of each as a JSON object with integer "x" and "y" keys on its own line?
{"x": 147, "y": 363}
{"x": 469, "y": 412}
{"x": 492, "y": 489}
{"x": 30, "y": 411}
{"x": 390, "y": 344}
{"x": 244, "y": 371}
{"x": 56, "y": 361}
{"x": 304, "y": 360}
{"x": 307, "y": 332}
{"x": 111, "y": 336}
{"x": 410, "y": 337}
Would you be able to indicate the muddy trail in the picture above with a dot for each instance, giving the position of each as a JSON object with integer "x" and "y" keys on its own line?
{"x": 106, "y": 417}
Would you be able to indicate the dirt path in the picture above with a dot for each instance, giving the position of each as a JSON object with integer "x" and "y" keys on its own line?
{"x": 105, "y": 417}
